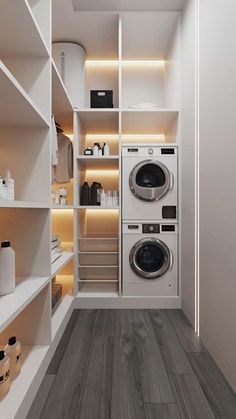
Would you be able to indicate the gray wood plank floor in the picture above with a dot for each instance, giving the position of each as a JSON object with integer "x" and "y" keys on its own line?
{"x": 132, "y": 364}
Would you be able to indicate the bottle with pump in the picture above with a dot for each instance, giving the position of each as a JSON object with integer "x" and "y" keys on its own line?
{"x": 95, "y": 149}
{"x": 13, "y": 350}
{"x": 10, "y": 184}
{"x": 106, "y": 149}
{"x": 7, "y": 269}
{"x": 4, "y": 374}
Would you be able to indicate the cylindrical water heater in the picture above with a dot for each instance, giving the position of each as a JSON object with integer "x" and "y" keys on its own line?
{"x": 70, "y": 62}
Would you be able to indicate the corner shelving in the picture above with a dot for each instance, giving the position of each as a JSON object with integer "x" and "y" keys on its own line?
{"x": 61, "y": 262}
{"x": 12, "y": 305}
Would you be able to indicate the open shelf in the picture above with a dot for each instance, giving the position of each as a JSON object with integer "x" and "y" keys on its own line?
{"x": 32, "y": 358}
{"x": 26, "y": 290}
{"x": 60, "y": 313}
{"x": 96, "y": 121}
{"x": 62, "y": 107}
{"x": 16, "y": 106}
{"x": 26, "y": 38}
{"x": 22, "y": 204}
{"x": 98, "y": 290}
{"x": 61, "y": 262}
{"x": 104, "y": 162}
{"x": 96, "y": 207}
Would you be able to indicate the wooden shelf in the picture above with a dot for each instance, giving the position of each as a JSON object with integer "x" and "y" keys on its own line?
{"x": 16, "y": 107}
{"x": 22, "y": 204}
{"x": 61, "y": 262}
{"x": 62, "y": 107}
{"x": 12, "y": 305}
{"x": 32, "y": 358}
{"x": 26, "y": 39}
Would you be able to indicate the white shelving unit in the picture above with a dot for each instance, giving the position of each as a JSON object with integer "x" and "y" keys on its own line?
{"x": 139, "y": 66}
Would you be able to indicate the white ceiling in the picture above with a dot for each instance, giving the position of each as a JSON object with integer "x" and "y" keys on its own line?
{"x": 128, "y": 5}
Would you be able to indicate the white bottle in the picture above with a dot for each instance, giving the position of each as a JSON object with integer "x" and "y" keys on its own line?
{"x": 100, "y": 152}
{"x": 4, "y": 190}
{"x": 115, "y": 199}
{"x": 13, "y": 350}
{"x": 10, "y": 186}
{"x": 1, "y": 186}
{"x": 106, "y": 150}
{"x": 109, "y": 199}
{"x": 7, "y": 269}
{"x": 103, "y": 198}
{"x": 4, "y": 374}
{"x": 95, "y": 150}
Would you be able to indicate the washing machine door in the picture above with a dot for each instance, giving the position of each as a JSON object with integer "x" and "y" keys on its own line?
{"x": 150, "y": 180}
{"x": 150, "y": 258}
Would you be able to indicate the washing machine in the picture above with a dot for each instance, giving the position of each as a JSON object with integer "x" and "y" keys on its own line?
{"x": 150, "y": 259}
{"x": 149, "y": 182}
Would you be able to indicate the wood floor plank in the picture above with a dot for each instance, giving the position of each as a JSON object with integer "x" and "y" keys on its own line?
{"x": 95, "y": 399}
{"x": 127, "y": 401}
{"x": 105, "y": 323}
{"x": 56, "y": 360}
{"x": 219, "y": 395}
{"x": 154, "y": 379}
{"x": 175, "y": 359}
{"x": 41, "y": 397}
{"x": 185, "y": 332}
{"x": 190, "y": 398}
{"x": 65, "y": 391}
{"x": 161, "y": 411}
{"x": 79, "y": 341}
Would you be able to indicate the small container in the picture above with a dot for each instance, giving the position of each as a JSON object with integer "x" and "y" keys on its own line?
{"x": 4, "y": 190}
{"x": 109, "y": 201}
{"x": 10, "y": 184}
{"x": 115, "y": 199}
{"x": 100, "y": 152}
{"x": 63, "y": 192}
{"x": 95, "y": 149}
{"x": 7, "y": 269}
{"x": 13, "y": 350}
{"x": 88, "y": 151}
{"x": 54, "y": 197}
{"x": 4, "y": 374}
{"x": 106, "y": 149}
{"x": 63, "y": 200}
{"x": 103, "y": 198}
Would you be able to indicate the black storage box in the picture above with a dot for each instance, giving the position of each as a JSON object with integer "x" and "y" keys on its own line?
{"x": 101, "y": 98}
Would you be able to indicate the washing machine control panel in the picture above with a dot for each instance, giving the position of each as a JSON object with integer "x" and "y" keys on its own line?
{"x": 150, "y": 151}
{"x": 151, "y": 228}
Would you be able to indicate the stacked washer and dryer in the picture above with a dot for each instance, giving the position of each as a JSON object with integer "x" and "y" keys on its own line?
{"x": 149, "y": 220}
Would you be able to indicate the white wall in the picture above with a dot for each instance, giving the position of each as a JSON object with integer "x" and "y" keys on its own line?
{"x": 187, "y": 169}
{"x": 217, "y": 182}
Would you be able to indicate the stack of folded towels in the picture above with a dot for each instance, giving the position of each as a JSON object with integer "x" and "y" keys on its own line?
{"x": 56, "y": 250}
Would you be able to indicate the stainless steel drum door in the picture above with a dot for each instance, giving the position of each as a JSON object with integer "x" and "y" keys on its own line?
{"x": 150, "y": 180}
{"x": 150, "y": 258}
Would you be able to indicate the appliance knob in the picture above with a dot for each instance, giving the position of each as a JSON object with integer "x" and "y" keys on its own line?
{"x": 150, "y": 151}
{"x": 151, "y": 228}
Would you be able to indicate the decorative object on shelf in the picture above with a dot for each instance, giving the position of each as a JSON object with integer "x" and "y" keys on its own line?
{"x": 95, "y": 149}
{"x": 7, "y": 187}
{"x": 70, "y": 61}
{"x": 7, "y": 268}
{"x": 88, "y": 151}
{"x": 56, "y": 294}
{"x": 4, "y": 374}
{"x": 101, "y": 98}
{"x": 13, "y": 350}
{"x": 59, "y": 197}
{"x": 56, "y": 250}
{"x": 105, "y": 150}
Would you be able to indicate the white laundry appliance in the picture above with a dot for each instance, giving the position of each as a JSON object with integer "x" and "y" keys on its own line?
{"x": 150, "y": 259}
{"x": 149, "y": 182}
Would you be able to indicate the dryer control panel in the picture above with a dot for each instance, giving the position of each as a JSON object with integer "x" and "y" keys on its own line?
{"x": 151, "y": 228}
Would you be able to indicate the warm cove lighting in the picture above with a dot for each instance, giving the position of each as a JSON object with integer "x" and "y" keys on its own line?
{"x": 126, "y": 137}
{"x": 125, "y": 62}
{"x": 103, "y": 172}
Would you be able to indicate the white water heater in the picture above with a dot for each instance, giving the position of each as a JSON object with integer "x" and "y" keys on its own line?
{"x": 70, "y": 62}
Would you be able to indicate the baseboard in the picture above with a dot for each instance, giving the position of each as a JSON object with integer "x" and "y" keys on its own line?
{"x": 127, "y": 302}
{"x": 225, "y": 368}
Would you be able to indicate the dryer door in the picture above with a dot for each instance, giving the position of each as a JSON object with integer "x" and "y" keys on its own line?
{"x": 150, "y": 180}
{"x": 150, "y": 258}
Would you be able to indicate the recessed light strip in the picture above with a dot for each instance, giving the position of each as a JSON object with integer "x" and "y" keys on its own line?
{"x": 126, "y": 62}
